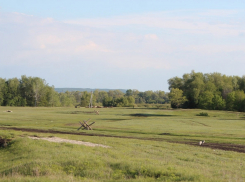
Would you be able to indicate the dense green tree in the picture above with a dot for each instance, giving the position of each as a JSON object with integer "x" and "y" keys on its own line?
{"x": 38, "y": 86}
{"x": 115, "y": 93}
{"x": 66, "y": 99}
{"x": 85, "y": 99}
{"x": 193, "y": 87}
{"x": 108, "y": 102}
{"x": 131, "y": 101}
{"x": 27, "y": 91}
{"x": 176, "y": 97}
{"x": 2, "y": 90}
{"x": 230, "y": 101}
{"x": 100, "y": 96}
{"x": 176, "y": 82}
{"x": 119, "y": 102}
{"x": 218, "y": 103}
{"x": 206, "y": 100}
{"x": 239, "y": 100}
{"x": 12, "y": 94}
{"x": 235, "y": 82}
{"x": 77, "y": 96}
{"x": 211, "y": 91}
{"x": 241, "y": 83}
{"x": 52, "y": 97}
{"x": 129, "y": 92}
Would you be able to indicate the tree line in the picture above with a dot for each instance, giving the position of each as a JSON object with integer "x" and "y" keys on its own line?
{"x": 213, "y": 91}
{"x": 29, "y": 91}
{"x": 117, "y": 98}
{"x": 34, "y": 91}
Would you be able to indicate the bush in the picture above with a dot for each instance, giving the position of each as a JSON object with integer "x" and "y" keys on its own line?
{"x": 202, "y": 114}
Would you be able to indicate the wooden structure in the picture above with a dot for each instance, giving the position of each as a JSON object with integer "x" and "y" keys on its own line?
{"x": 85, "y": 125}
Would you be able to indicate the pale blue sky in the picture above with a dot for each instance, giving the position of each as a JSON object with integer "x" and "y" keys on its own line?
{"x": 128, "y": 44}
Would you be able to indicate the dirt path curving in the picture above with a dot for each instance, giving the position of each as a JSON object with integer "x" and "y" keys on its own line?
{"x": 221, "y": 146}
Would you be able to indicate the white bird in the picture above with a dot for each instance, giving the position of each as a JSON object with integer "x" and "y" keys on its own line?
{"x": 201, "y": 142}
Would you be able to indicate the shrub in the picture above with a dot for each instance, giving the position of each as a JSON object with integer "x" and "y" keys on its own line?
{"x": 202, "y": 114}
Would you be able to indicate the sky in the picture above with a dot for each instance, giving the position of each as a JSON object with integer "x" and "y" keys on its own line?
{"x": 120, "y": 44}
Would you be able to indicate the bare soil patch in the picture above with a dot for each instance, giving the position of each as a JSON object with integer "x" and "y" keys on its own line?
{"x": 61, "y": 140}
{"x": 221, "y": 146}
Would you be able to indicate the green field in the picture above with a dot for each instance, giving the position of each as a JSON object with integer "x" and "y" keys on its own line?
{"x": 145, "y": 144}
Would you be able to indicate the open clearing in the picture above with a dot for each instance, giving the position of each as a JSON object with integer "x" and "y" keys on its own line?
{"x": 143, "y": 145}
{"x": 221, "y": 146}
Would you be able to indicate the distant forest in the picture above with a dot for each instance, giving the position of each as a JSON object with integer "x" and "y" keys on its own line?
{"x": 213, "y": 91}
{"x": 34, "y": 91}
{"x": 208, "y": 91}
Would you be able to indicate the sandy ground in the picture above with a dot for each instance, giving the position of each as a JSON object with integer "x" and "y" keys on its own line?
{"x": 60, "y": 140}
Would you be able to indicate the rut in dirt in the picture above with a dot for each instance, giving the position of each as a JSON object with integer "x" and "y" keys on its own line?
{"x": 220, "y": 146}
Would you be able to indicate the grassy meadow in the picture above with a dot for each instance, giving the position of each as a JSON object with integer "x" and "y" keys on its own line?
{"x": 145, "y": 144}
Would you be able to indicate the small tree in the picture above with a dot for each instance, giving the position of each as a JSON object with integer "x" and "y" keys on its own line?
{"x": 218, "y": 102}
{"x": 85, "y": 99}
{"x": 176, "y": 97}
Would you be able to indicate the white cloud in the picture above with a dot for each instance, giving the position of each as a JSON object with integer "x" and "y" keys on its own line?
{"x": 151, "y": 37}
{"x": 155, "y": 40}
{"x": 215, "y": 48}
{"x": 194, "y": 23}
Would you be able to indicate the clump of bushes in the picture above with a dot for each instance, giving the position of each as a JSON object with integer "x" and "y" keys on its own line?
{"x": 4, "y": 142}
{"x": 202, "y": 114}
{"x": 5, "y": 138}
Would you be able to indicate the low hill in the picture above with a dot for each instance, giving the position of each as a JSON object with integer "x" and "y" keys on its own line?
{"x": 85, "y": 89}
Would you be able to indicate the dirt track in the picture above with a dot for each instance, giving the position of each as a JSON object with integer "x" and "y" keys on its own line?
{"x": 221, "y": 146}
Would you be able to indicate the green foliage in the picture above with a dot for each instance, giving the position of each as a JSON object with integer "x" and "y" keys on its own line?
{"x": 127, "y": 101}
{"x": 176, "y": 97}
{"x": 230, "y": 101}
{"x": 85, "y": 99}
{"x": 218, "y": 103}
{"x": 27, "y": 91}
{"x": 99, "y": 95}
{"x": 206, "y": 100}
{"x": 66, "y": 99}
{"x": 108, "y": 102}
{"x": 34, "y": 91}
{"x": 12, "y": 95}
{"x": 134, "y": 97}
{"x": 211, "y": 91}
{"x": 2, "y": 90}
